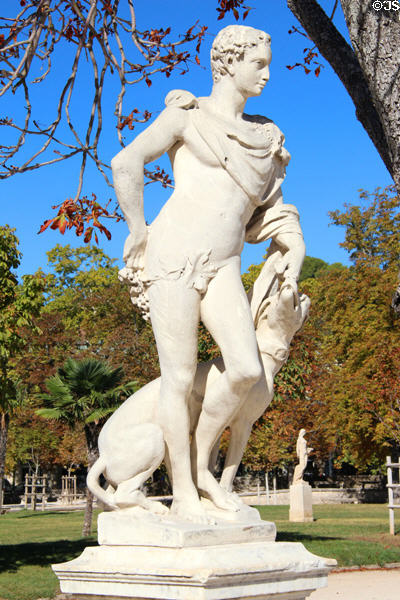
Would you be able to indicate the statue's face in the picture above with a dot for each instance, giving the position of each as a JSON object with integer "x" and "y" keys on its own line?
{"x": 251, "y": 71}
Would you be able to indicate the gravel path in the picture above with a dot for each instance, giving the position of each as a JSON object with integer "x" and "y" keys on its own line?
{"x": 382, "y": 584}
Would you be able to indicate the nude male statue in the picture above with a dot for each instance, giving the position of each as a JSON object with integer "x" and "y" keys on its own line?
{"x": 228, "y": 168}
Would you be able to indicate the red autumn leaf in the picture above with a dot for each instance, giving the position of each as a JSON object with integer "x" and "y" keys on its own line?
{"x": 45, "y": 225}
{"x": 88, "y": 235}
{"x": 54, "y": 224}
{"x": 197, "y": 60}
{"x": 62, "y": 224}
{"x": 148, "y": 81}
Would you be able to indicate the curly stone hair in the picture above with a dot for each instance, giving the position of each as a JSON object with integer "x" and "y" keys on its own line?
{"x": 232, "y": 42}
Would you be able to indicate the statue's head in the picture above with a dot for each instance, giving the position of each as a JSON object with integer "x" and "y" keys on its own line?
{"x": 231, "y": 44}
{"x": 302, "y": 432}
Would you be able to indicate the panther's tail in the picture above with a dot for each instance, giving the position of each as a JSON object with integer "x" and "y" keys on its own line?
{"x": 92, "y": 481}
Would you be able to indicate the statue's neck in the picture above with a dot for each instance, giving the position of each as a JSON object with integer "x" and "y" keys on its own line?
{"x": 226, "y": 100}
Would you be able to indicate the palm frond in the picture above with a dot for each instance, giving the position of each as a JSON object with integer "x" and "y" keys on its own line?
{"x": 100, "y": 413}
{"x": 49, "y": 413}
{"x": 58, "y": 391}
{"x": 84, "y": 391}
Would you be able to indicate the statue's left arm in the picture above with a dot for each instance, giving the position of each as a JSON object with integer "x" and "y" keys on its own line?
{"x": 280, "y": 222}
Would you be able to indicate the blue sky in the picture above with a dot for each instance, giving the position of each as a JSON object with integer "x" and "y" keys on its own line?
{"x": 332, "y": 156}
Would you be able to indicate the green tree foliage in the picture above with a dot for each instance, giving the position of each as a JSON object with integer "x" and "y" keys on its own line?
{"x": 85, "y": 392}
{"x": 372, "y": 230}
{"x": 341, "y": 381}
{"x": 359, "y": 335}
{"x": 311, "y": 268}
{"x": 32, "y": 441}
{"x": 88, "y": 313}
{"x": 76, "y": 274}
{"x": 19, "y": 303}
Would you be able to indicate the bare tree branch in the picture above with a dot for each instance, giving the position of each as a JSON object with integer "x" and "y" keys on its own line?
{"x": 102, "y": 31}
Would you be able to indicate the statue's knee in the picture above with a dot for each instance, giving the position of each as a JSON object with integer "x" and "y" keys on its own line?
{"x": 245, "y": 374}
{"x": 178, "y": 383}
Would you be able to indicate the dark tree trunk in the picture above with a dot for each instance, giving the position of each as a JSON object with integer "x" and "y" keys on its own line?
{"x": 375, "y": 36}
{"x": 92, "y": 431}
{"x": 88, "y": 516}
{"x": 4, "y": 421}
{"x": 369, "y": 70}
{"x": 342, "y": 58}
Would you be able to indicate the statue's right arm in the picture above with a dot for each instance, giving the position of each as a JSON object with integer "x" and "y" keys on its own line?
{"x": 128, "y": 173}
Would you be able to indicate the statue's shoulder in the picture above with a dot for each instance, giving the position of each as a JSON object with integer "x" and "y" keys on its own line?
{"x": 181, "y": 99}
{"x": 273, "y": 134}
{"x": 264, "y": 122}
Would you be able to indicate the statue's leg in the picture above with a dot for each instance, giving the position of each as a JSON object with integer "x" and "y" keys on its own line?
{"x": 255, "y": 405}
{"x": 135, "y": 455}
{"x": 174, "y": 311}
{"x": 226, "y": 313}
{"x": 240, "y": 432}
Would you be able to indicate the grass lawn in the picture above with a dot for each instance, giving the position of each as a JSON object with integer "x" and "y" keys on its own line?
{"x": 354, "y": 534}
{"x": 30, "y": 542}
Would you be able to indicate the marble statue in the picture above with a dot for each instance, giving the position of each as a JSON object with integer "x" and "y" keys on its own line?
{"x": 228, "y": 168}
{"x": 303, "y": 453}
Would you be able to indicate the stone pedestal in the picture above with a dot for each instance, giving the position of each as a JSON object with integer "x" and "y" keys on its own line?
{"x": 300, "y": 495}
{"x": 171, "y": 560}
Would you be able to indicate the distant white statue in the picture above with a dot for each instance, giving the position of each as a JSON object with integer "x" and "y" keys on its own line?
{"x": 303, "y": 453}
{"x": 228, "y": 169}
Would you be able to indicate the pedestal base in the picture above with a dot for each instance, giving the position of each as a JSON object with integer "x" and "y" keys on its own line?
{"x": 191, "y": 562}
{"x": 249, "y": 570}
{"x": 300, "y": 495}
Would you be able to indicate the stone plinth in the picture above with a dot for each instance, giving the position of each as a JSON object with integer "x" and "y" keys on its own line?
{"x": 300, "y": 495}
{"x": 116, "y": 529}
{"x": 190, "y": 562}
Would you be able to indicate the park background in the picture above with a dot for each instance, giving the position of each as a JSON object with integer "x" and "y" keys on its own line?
{"x": 341, "y": 381}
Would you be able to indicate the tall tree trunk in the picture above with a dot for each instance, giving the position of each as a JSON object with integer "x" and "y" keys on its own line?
{"x": 369, "y": 70}
{"x": 88, "y": 517}
{"x": 344, "y": 60}
{"x": 92, "y": 434}
{"x": 4, "y": 421}
{"x": 375, "y": 37}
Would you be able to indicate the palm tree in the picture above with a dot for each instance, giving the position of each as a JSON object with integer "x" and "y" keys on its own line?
{"x": 85, "y": 392}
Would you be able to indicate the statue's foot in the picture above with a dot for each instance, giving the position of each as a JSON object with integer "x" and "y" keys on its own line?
{"x": 157, "y": 508}
{"x": 110, "y": 502}
{"x": 236, "y": 499}
{"x": 125, "y": 498}
{"x": 210, "y": 488}
{"x": 191, "y": 510}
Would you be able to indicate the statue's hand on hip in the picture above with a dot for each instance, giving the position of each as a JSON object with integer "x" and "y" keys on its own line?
{"x": 134, "y": 251}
